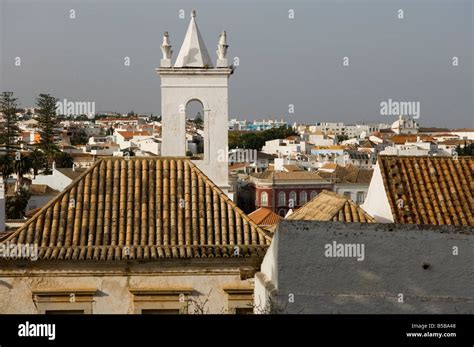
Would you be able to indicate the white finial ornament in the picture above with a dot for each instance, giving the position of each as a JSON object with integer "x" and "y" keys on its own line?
{"x": 222, "y": 47}
{"x": 193, "y": 13}
{"x": 166, "y": 51}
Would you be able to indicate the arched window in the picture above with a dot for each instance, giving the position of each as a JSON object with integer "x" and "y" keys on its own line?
{"x": 313, "y": 194}
{"x": 303, "y": 198}
{"x": 292, "y": 199}
{"x": 264, "y": 199}
{"x": 281, "y": 199}
{"x": 195, "y": 129}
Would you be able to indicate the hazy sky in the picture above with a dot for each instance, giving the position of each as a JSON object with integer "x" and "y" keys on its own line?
{"x": 282, "y": 61}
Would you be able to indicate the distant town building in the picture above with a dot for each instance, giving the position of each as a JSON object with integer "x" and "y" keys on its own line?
{"x": 244, "y": 125}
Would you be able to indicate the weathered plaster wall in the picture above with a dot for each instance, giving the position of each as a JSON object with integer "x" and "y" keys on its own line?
{"x": 113, "y": 285}
{"x": 395, "y": 256}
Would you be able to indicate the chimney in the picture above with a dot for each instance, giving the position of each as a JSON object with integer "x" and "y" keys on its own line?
{"x": 2, "y": 205}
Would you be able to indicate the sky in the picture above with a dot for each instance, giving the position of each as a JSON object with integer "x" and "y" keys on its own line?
{"x": 282, "y": 61}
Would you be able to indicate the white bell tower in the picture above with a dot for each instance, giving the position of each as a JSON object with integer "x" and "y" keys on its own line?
{"x": 193, "y": 77}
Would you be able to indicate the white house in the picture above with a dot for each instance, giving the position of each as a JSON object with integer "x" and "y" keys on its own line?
{"x": 290, "y": 145}
{"x": 59, "y": 179}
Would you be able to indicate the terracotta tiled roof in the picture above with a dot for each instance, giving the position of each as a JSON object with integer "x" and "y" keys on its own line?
{"x": 329, "y": 166}
{"x": 130, "y": 134}
{"x": 401, "y": 139}
{"x": 285, "y": 176}
{"x": 142, "y": 208}
{"x": 434, "y": 130}
{"x": 329, "y": 206}
{"x": 429, "y": 190}
{"x": 456, "y": 142}
{"x": 349, "y": 173}
{"x": 264, "y": 217}
{"x": 292, "y": 167}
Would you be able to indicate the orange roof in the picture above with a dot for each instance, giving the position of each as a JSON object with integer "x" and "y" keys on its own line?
{"x": 429, "y": 190}
{"x": 401, "y": 139}
{"x": 142, "y": 218}
{"x": 329, "y": 166}
{"x": 117, "y": 119}
{"x": 283, "y": 175}
{"x": 264, "y": 217}
{"x": 329, "y": 206}
{"x": 292, "y": 167}
{"x": 130, "y": 134}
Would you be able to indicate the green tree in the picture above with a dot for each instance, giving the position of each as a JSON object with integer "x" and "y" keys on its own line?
{"x": 256, "y": 140}
{"x": 15, "y": 205}
{"x": 36, "y": 160}
{"x": 63, "y": 159}
{"x": 79, "y": 138}
{"x": 466, "y": 150}
{"x": 6, "y": 165}
{"x": 47, "y": 121}
{"x": 198, "y": 121}
{"x": 10, "y": 131}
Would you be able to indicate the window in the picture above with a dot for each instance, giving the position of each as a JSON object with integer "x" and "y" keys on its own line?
{"x": 64, "y": 301}
{"x": 264, "y": 199}
{"x": 281, "y": 199}
{"x": 303, "y": 198}
{"x": 160, "y": 301}
{"x": 360, "y": 197}
{"x": 313, "y": 194}
{"x": 240, "y": 300}
{"x": 196, "y": 119}
{"x": 347, "y": 195}
{"x": 243, "y": 310}
{"x": 292, "y": 199}
{"x": 164, "y": 311}
{"x": 64, "y": 312}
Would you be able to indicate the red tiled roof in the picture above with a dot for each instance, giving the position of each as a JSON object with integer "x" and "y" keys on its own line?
{"x": 142, "y": 208}
{"x": 329, "y": 206}
{"x": 429, "y": 190}
{"x": 130, "y": 134}
{"x": 401, "y": 139}
{"x": 264, "y": 217}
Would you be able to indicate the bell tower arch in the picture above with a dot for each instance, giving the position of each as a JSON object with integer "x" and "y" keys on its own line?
{"x": 193, "y": 77}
